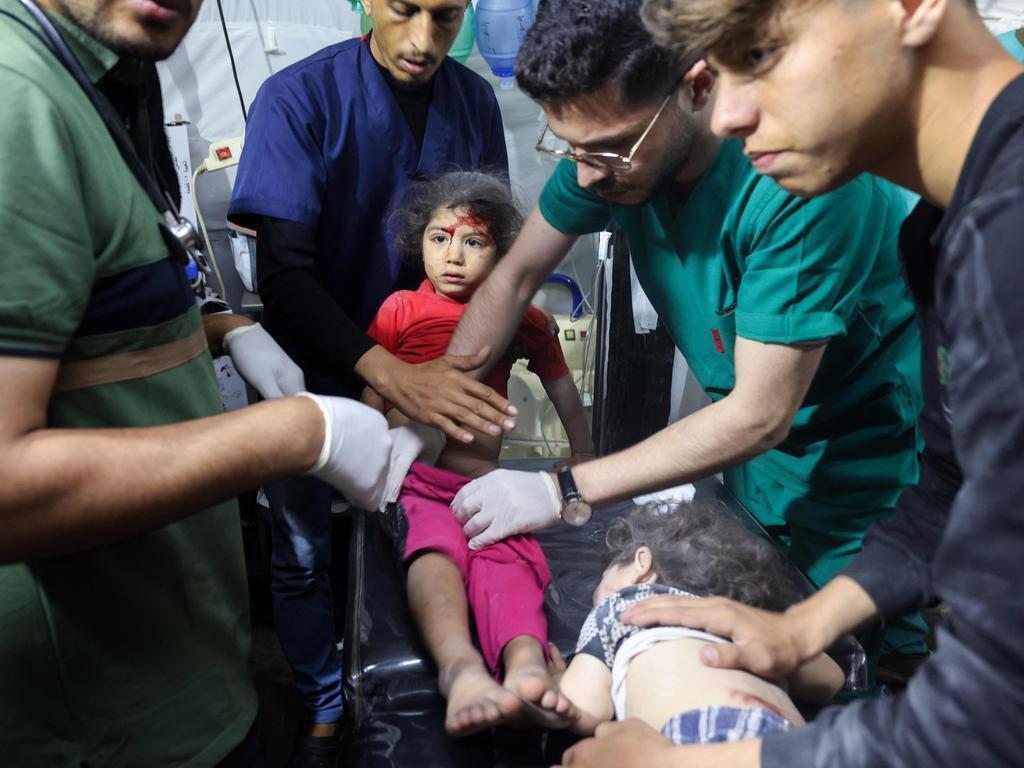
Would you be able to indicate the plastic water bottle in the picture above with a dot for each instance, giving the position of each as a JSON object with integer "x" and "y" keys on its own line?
{"x": 463, "y": 45}
{"x": 500, "y": 29}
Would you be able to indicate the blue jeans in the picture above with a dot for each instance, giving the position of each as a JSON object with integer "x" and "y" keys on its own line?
{"x": 300, "y": 513}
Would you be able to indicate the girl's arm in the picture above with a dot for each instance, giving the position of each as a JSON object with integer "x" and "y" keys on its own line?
{"x": 587, "y": 683}
{"x": 817, "y": 680}
{"x": 566, "y": 399}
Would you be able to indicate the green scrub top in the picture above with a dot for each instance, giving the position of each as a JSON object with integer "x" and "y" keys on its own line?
{"x": 134, "y": 653}
{"x": 743, "y": 257}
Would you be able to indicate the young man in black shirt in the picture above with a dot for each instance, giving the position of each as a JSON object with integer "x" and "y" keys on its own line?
{"x": 917, "y": 91}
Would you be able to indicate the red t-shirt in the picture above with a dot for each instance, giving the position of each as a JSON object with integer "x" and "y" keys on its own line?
{"x": 416, "y": 326}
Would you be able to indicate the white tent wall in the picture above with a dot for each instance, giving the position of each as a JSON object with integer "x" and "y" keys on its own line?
{"x": 268, "y": 35}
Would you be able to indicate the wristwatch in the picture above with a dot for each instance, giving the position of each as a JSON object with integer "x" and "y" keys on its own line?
{"x": 575, "y": 511}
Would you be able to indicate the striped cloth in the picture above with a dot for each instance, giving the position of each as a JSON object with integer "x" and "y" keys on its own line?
{"x": 715, "y": 724}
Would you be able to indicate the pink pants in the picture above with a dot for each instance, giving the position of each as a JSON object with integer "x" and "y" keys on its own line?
{"x": 505, "y": 582}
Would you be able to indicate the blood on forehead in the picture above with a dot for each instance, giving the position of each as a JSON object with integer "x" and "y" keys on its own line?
{"x": 469, "y": 220}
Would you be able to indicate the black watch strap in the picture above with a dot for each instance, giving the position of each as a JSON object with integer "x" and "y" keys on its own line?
{"x": 567, "y": 486}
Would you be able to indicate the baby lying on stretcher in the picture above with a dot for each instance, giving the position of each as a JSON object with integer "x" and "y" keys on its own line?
{"x": 457, "y": 226}
{"x": 655, "y": 674}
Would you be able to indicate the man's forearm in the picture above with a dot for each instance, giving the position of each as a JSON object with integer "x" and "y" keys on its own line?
{"x": 380, "y": 369}
{"x": 492, "y": 316}
{"x": 65, "y": 490}
{"x": 840, "y": 607}
{"x": 216, "y": 326}
{"x": 294, "y": 294}
{"x": 498, "y": 305}
{"x": 716, "y": 437}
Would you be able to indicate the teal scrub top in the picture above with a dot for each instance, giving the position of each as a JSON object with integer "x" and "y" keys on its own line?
{"x": 743, "y": 257}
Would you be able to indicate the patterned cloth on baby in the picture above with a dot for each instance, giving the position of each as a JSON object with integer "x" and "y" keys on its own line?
{"x": 603, "y": 631}
{"x": 709, "y": 725}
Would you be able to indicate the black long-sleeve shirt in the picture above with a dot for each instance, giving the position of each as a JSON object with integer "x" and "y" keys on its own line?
{"x": 321, "y": 336}
{"x": 959, "y": 534}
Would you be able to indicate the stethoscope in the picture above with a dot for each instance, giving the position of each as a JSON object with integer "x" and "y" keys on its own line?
{"x": 177, "y": 232}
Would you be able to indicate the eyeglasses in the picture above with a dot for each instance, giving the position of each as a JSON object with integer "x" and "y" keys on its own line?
{"x": 604, "y": 161}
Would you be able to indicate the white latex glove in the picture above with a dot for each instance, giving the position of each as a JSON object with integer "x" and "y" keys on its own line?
{"x": 410, "y": 442}
{"x": 356, "y": 451}
{"x": 504, "y": 503}
{"x": 262, "y": 362}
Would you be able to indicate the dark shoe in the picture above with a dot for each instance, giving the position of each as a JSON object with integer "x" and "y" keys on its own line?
{"x": 316, "y": 752}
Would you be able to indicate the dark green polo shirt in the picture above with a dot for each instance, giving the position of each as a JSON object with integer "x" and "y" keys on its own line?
{"x": 133, "y": 654}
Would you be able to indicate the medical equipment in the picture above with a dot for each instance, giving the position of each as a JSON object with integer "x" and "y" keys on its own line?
{"x": 500, "y": 29}
{"x": 177, "y": 232}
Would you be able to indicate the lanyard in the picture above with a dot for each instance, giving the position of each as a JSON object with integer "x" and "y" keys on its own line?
{"x": 177, "y": 232}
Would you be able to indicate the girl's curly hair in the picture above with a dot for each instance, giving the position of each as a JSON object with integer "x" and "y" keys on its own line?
{"x": 483, "y": 196}
{"x": 704, "y": 549}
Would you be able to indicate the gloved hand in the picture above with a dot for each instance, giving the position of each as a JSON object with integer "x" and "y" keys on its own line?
{"x": 410, "y": 442}
{"x": 504, "y": 503}
{"x": 262, "y": 362}
{"x": 356, "y": 451}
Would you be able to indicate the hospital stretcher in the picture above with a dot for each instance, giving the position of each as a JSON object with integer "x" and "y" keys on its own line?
{"x": 396, "y": 712}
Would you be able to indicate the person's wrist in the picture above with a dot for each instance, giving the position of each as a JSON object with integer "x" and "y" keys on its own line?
{"x": 233, "y": 330}
{"x": 551, "y": 483}
{"x": 219, "y": 326}
{"x": 317, "y": 445}
{"x": 380, "y": 369}
{"x": 301, "y": 437}
{"x": 808, "y": 629}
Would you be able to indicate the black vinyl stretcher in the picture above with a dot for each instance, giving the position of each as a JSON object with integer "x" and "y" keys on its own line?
{"x": 396, "y": 712}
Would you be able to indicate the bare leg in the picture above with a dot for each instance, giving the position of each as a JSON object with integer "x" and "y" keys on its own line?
{"x": 437, "y": 598}
{"x": 528, "y": 676}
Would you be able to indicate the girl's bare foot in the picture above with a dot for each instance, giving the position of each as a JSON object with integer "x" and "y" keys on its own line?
{"x": 475, "y": 701}
{"x": 528, "y": 676}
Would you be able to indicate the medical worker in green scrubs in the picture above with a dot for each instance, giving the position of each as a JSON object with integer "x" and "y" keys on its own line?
{"x": 791, "y": 313}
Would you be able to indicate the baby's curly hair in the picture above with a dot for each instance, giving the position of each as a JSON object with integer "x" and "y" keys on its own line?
{"x": 484, "y": 196}
{"x": 704, "y": 549}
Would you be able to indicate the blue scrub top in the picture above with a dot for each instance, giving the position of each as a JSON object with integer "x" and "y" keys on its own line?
{"x": 326, "y": 145}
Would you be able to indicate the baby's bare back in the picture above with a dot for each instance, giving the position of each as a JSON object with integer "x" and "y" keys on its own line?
{"x": 669, "y": 678}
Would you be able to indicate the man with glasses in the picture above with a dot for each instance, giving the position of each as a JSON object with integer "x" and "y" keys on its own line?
{"x": 791, "y": 313}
